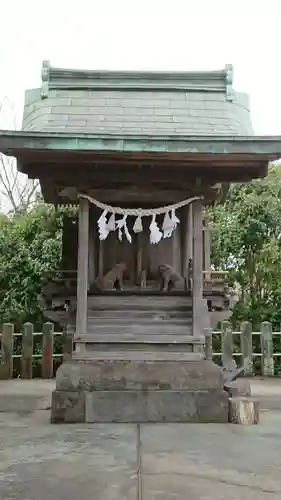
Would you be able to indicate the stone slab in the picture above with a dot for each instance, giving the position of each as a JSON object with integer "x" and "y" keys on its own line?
{"x": 138, "y": 375}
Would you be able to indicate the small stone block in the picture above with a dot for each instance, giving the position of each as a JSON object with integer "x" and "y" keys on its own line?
{"x": 238, "y": 387}
{"x": 115, "y": 406}
{"x": 68, "y": 407}
{"x": 171, "y": 406}
{"x": 212, "y": 406}
{"x": 244, "y": 411}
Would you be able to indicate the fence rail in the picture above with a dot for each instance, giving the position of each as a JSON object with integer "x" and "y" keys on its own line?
{"x": 225, "y": 345}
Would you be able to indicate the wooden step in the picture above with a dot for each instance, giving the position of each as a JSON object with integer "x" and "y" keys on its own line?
{"x": 139, "y": 329}
{"x": 137, "y": 314}
{"x": 107, "y": 320}
{"x": 138, "y": 356}
{"x": 131, "y": 302}
{"x": 107, "y": 338}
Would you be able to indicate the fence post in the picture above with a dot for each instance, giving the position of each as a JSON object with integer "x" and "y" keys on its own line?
{"x": 247, "y": 348}
{"x": 7, "y": 351}
{"x": 47, "y": 350}
{"x": 27, "y": 351}
{"x": 67, "y": 344}
{"x": 208, "y": 343}
{"x": 267, "y": 365}
{"x": 227, "y": 346}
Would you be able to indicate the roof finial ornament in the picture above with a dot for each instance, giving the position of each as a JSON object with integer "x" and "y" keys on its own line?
{"x": 229, "y": 82}
{"x": 45, "y": 79}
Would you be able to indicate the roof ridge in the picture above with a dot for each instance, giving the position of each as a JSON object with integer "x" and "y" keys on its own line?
{"x": 202, "y": 81}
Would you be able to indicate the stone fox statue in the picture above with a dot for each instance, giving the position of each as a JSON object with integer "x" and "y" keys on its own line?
{"x": 111, "y": 280}
{"x": 169, "y": 278}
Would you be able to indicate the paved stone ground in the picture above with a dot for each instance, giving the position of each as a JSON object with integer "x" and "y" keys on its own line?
{"x": 40, "y": 461}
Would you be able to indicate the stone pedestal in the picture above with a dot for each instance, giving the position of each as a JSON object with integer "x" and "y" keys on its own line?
{"x": 139, "y": 390}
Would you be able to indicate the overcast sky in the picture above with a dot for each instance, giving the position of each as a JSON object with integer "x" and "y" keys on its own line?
{"x": 147, "y": 34}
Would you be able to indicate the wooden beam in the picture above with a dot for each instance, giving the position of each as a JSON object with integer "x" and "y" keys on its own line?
{"x": 82, "y": 274}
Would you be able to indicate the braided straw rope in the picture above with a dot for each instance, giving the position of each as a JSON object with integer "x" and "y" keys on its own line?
{"x": 139, "y": 212}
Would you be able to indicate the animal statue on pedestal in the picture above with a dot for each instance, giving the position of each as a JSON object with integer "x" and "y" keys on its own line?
{"x": 113, "y": 280}
{"x": 169, "y": 278}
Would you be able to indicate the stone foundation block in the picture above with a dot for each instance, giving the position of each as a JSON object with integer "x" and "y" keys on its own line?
{"x": 136, "y": 406}
{"x": 139, "y": 391}
{"x": 115, "y": 406}
{"x": 212, "y": 406}
{"x": 68, "y": 407}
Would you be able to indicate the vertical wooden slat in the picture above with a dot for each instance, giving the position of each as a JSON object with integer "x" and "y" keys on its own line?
{"x": 47, "y": 350}
{"x": 27, "y": 351}
{"x": 67, "y": 345}
{"x": 209, "y": 343}
{"x": 227, "y": 345}
{"x": 267, "y": 367}
{"x": 247, "y": 348}
{"x": 7, "y": 351}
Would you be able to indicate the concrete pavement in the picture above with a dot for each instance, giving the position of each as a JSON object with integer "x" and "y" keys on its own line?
{"x": 148, "y": 462}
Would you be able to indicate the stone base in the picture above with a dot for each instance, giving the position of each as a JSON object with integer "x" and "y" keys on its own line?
{"x": 139, "y": 391}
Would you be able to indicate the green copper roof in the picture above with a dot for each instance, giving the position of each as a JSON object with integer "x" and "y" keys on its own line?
{"x": 23, "y": 141}
{"x": 139, "y": 103}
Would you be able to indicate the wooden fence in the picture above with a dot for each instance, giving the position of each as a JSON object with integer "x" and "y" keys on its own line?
{"x": 243, "y": 347}
{"x": 225, "y": 345}
{"x": 26, "y": 350}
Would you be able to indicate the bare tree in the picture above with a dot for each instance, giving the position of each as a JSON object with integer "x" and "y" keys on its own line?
{"x": 17, "y": 192}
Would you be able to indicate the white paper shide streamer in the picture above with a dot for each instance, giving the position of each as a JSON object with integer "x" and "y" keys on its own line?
{"x": 107, "y": 222}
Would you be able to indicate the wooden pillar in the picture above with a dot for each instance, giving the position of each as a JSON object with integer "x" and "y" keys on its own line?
{"x": 82, "y": 273}
{"x": 139, "y": 257}
{"x": 92, "y": 251}
{"x": 207, "y": 247}
{"x": 199, "y": 308}
{"x": 100, "y": 262}
{"x": 190, "y": 232}
{"x": 187, "y": 242}
{"x": 176, "y": 250}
